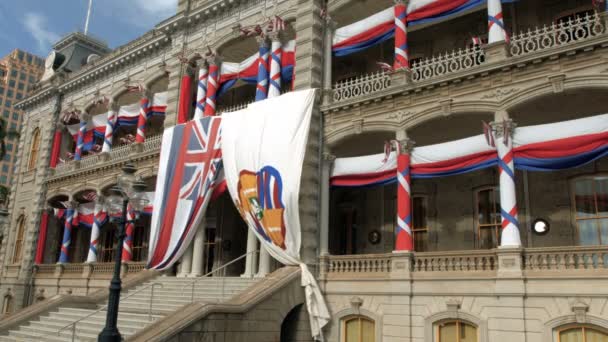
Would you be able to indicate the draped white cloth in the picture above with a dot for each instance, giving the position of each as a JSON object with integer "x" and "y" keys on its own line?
{"x": 263, "y": 173}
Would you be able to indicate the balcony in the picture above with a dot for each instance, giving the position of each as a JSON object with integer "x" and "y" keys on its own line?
{"x": 135, "y": 151}
{"x": 577, "y": 261}
{"x": 527, "y": 47}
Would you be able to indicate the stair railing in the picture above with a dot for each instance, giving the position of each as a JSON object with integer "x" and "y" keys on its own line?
{"x": 73, "y": 324}
{"x": 193, "y": 283}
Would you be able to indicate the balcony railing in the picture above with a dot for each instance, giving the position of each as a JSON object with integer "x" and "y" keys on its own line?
{"x": 557, "y": 35}
{"x": 448, "y": 63}
{"x": 574, "y": 260}
{"x": 118, "y": 153}
{"x": 361, "y": 86}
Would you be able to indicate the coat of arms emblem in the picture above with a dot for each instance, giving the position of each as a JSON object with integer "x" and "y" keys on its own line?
{"x": 260, "y": 199}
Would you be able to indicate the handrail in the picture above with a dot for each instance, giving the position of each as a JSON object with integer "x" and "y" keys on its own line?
{"x": 213, "y": 271}
{"x": 73, "y": 324}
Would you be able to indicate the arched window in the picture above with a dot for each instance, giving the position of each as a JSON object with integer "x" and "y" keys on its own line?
{"x": 581, "y": 334}
{"x": 591, "y": 209}
{"x": 34, "y": 149}
{"x": 18, "y": 251}
{"x": 358, "y": 329}
{"x": 455, "y": 331}
{"x": 7, "y": 304}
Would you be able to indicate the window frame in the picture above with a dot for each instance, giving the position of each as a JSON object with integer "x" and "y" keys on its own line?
{"x": 428, "y": 225}
{"x": 19, "y": 241}
{"x": 346, "y": 319}
{"x": 578, "y": 326}
{"x": 34, "y": 149}
{"x": 497, "y": 225}
{"x": 596, "y": 217}
{"x": 459, "y": 322}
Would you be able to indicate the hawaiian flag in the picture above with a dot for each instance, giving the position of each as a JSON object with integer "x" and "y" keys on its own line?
{"x": 190, "y": 160}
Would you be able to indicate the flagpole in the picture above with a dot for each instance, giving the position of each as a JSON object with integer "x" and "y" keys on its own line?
{"x": 86, "y": 23}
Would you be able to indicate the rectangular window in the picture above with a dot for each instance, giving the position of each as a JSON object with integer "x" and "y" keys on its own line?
{"x": 11, "y": 83}
{"x": 420, "y": 226}
{"x": 14, "y": 73}
{"x": 32, "y": 79}
{"x": 7, "y": 157}
{"x": 3, "y": 179}
{"x": 8, "y": 104}
{"x": 22, "y": 76}
{"x": 19, "y": 96}
{"x": 20, "y": 55}
{"x": 1, "y": 90}
{"x": 21, "y": 86}
{"x": 488, "y": 218}
{"x": 591, "y": 210}
{"x": 14, "y": 126}
{"x": 15, "y": 116}
{"x": 9, "y": 93}
{"x": 29, "y": 58}
{"x": 6, "y": 113}
{"x": 5, "y": 168}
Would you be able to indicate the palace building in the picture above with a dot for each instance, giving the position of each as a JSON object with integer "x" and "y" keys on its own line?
{"x": 454, "y": 187}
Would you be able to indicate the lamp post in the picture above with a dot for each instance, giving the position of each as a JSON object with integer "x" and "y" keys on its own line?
{"x": 127, "y": 191}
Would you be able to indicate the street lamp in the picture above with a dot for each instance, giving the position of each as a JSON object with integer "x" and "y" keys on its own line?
{"x": 127, "y": 191}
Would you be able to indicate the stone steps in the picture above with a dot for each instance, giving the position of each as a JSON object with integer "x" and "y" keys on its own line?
{"x": 133, "y": 310}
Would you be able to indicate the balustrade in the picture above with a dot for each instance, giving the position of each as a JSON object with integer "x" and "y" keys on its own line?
{"x": 559, "y": 34}
{"x": 379, "y": 263}
{"x": 361, "y": 86}
{"x": 455, "y": 261}
{"x": 566, "y": 258}
{"x": 448, "y": 63}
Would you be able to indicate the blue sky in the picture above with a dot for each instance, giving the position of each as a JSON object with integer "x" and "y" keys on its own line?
{"x": 34, "y": 25}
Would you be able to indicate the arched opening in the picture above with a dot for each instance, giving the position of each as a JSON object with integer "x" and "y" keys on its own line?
{"x": 357, "y": 213}
{"x": 128, "y": 104}
{"x": 158, "y": 106}
{"x": 295, "y": 324}
{"x": 570, "y": 197}
{"x": 34, "y": 147}
{"x": 52, "y": 245}
{"x": 7, "y": 304}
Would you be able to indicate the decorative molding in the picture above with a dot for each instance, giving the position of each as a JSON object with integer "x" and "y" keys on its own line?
{"x": 499, "y": 93}
{"x": 446, "y": 106}
{"x": 557, "y": 82}
{"x": 358, "y": 126}
{"x": 400, "y": 115}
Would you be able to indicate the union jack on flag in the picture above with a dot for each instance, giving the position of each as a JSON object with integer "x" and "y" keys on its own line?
{"x": 191, "y": 158}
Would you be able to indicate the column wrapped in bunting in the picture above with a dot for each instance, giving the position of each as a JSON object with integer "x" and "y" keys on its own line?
{"x": 109, "y": 132}
{"x": 80, "y": 139}
{"x": 184, "y": 104}
{"x": 127, "y": 245}
{"x": 212, "y": 86}
{"x": 201, "y": 93}
{"x": 274, "y": 88}
{"x": 508, "y": 201}
{"x": 496, "y": 25}
{"x": 404, "y": 240}
{"x": 144, "y": 108}
{"x": 44, "y": 223}
{"x": 95, "y": 230}
{"x": 261, "y": 92}
{"x": 67, "y": 235}
{"x": 402, "y": 60}
{"x": 56, "y": 146}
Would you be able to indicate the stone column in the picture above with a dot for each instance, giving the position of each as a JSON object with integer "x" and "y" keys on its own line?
{"x": 402, "y": 60}
{"x": 503, "y": 129}
{"x": 264, "y": 265}
{"x": 330, "y": 26}
{"x": 67, "y": 233}
{"x": 110, "y": 125}
{"x": 95, "y": 230}
{"x": 198, "y": 250}
{"x": 201, "y": 92}
{"x": 186, "y": 263}
{"x": 404, "y": 241}
{"x": 326, "y": 167}
{"x": 250, "y": 259}
{"x": 183, "y": 109}
{"x": 144, "y": 108}
{"x": 213, "y": 84}
{"x": 276, "y": 54}
{"x": 84, "y": 118}
{"x": 308, "y": 74}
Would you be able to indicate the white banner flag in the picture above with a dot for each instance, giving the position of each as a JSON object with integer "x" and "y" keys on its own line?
{"x": 263, "y": 150}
